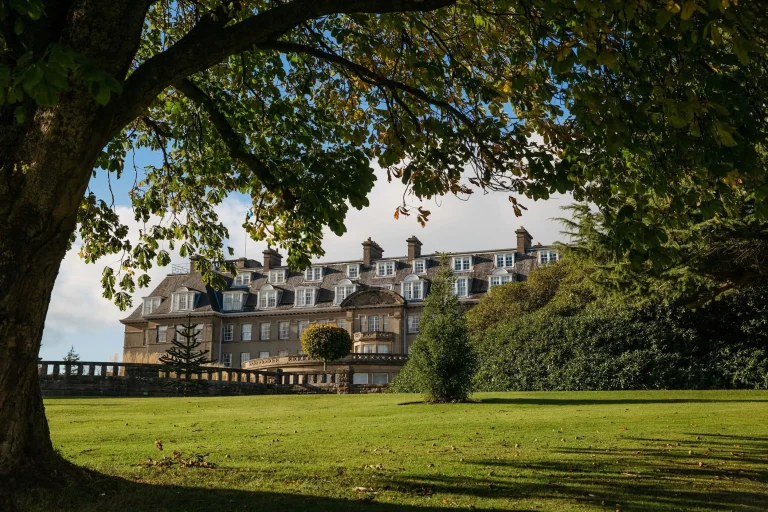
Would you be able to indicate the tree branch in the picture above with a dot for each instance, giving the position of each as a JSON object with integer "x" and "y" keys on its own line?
{"x": 205, "y": 47}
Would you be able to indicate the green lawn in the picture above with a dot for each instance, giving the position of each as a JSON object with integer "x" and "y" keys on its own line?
{"x": 648, "y": 451}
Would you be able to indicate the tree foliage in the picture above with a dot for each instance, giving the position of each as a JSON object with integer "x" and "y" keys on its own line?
{"x": 441, "y": 364}
{"x": 326, "y": 342}
{"x": 184, "y": 359}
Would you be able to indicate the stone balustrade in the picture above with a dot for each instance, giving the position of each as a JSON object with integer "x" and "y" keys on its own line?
{"x": 299, "y": 360}
{"x": 374, "y": 336}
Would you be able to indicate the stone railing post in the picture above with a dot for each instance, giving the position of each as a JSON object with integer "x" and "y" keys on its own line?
{"x": 91, "y": 370}
{"x": 344, "y": 379}
{"x": 43, "y": 372}
{"x": 279, "y": 377}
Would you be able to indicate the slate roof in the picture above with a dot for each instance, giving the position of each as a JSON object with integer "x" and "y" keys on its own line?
{"x": 210, "y": 300}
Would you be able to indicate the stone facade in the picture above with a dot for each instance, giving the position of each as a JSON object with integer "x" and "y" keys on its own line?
{"x": 257, "y": 320}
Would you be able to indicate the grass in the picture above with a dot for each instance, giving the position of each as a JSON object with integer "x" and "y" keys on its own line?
{"x": 645, "y": 451}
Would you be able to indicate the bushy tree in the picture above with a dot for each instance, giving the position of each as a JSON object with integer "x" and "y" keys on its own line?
{"x": 326, "y": 342}
{"x": 72, "y": 357}
{"x": 442, "y": 363}
{"x": 184, "y": 359}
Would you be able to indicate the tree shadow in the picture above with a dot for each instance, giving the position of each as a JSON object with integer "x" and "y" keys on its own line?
{"x": 606, "y": 401}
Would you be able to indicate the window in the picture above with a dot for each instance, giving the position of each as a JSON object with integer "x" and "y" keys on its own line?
{"x": 461, "y": 287}
{"x": 323, "y": 322}
{"x": 151, "y": 304}
{"x": 283, "y": 330}
{"x": 385, "y": 323}
{"x": 462, "y": 263}
{"x": 313, "y": 274}
{"x": 263, "y": 355}
{"x": 233, "y": 301}
{"x": 282, "y": 353}
{"x": 413, "y": 288}
{"x": 305, "y": 297}
{"x": 229, "y": 331}
{"x": 359, "y": 378}
{"x": 244, "y": 356}
{"x": 353, "y": 271}
{"x": 242, "y": 279}
{"x": 277, "y": 276}
{"x": 505, "y": 260}
{"x": 382, "y": 349}
{"x": 385, "y": 269}
{"x": 499, "y": 277}
{"x": 184, "y": 300}
{"x": 268, "y": 297}
{"x": 300, "y": 353}
{"x": 373, "y": 323}
{"x": 344, "y": 289}
{"x": 197, "y": 333}
{"x": 162, "y": 333}
{"x": 413, "y": 323}
{"x": 341, "y": 323}
{"x": 265, "y": 331}
{"x": 419, "y": 266}
{"x": 245, "y": 332}
{"x": 226, "y": 360}
{"x": 368, "y": 348}
{"x": 379, "y": 378}
{"x": 302, "y": 326}
{"x": 547, "y": 256}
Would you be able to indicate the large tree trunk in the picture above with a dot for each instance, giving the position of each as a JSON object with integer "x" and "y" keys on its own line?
{"x": 45, "y": 166}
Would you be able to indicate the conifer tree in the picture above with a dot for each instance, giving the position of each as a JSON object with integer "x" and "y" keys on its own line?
{"x": 183, "y": 358}
{"x": 442, "y": 363}
{"x": 72, "y": 357}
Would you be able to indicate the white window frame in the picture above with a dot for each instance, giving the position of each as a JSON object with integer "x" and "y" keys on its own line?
{"x": 464, "y": 260}
{"x": 265, "y": 331}
{"x": 464, "y": 280}
{"x": 412, "y": 288}
{"x": 189, "y": 300}
{"x": 301, "y": 326}
{"x": 313, "y": 274}
{"x": 343, "y": 290}
{"x": 268, "y": 299}
{"x": 356, "y": 267}
{"x": 226, "y": 360}
{"x": 508, "y": 260}
{"x": 164, "y": 330}
{"x": 373, "y": 323}
{"x": 420, "y": 262}
{"x": 413, "y": 322}
{"x": 283, "y": 330}
{"x": 244, "y": 356}
{"x": 150, "y": 305}
{"x": 236, "y": 301}
{"x": 387, "y": 271}
{"x": 304, "y": 293}
{"x": 242, "y": 279}
{"x": 551, "y": 256}
{"x": 246, "y": 332}
{"x": 228, "y": 333}
{"x": 499, "y": 279}
{"x": 276, "y": 276}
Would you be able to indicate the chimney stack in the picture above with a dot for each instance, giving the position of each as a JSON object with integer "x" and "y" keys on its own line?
{"x": 272, "y": 259}
{"x": 524, "y": 240}
{"x": 414, "y": 248}
{"x": 241, "y": 263}
{"x": 371, "y": 251}
{"x": 193, "y": 259}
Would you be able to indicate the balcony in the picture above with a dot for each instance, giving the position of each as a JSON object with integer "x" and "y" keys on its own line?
{"x": 374, "y": 336}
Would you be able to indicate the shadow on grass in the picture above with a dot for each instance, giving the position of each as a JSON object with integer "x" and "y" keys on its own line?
{"x": 607, "y": 401}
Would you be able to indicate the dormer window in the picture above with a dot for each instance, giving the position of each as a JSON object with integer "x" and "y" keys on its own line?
{"x": 242, "y": 279}
{"x": 413, "y": 288}
{"x": 353, "y": 270}
{"x": 499, "y": 277}
{"x": 151, "y": 304}
{"x": 385, "y": 269}
{"x": 277, "y": 276}
{"x": 269, "y": 297}
{"x": 462, "y": 263}
{"x": 305, "y": 297}
{"x": 505, "y": 260}
{"x": 461, "y": 287}
{"x": 344, "y": 289}
{"x": 313, "y": 274}
{"x": 548, "y": 256}
{"x": 234, "y": 301}
{"x": 184, "y": 299}
{"x": 419, "y": 266}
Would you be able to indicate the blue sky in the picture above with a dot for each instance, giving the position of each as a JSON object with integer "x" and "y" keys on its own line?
{"x": 78, "y": 316}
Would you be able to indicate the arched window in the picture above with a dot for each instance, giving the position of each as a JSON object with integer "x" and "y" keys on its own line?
{"x": 498, "y": 277}
{"x": 184, "y": 299}
{"x": 269, "y": 297}
{"x": 344, "y": 289}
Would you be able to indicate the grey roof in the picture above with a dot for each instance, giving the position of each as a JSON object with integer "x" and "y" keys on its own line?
{"x": 210, "y": 300}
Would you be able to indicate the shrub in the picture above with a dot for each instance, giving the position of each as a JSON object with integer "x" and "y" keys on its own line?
{"x": 442, "y": 363}
{"x": 326, "y": 342}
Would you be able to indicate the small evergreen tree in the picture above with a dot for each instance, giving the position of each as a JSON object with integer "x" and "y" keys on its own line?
{"x": 442, "y": 363}
{"x": 72, "y": 357}
{"x": 183, "y": 358}
{"x": 326, "y": 342}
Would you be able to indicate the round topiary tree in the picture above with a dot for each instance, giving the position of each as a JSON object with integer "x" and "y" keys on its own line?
{"x": 326, "y": 342}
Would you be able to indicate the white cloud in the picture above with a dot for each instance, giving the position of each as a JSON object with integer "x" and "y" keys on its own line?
{"x": 79, "y": 315}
